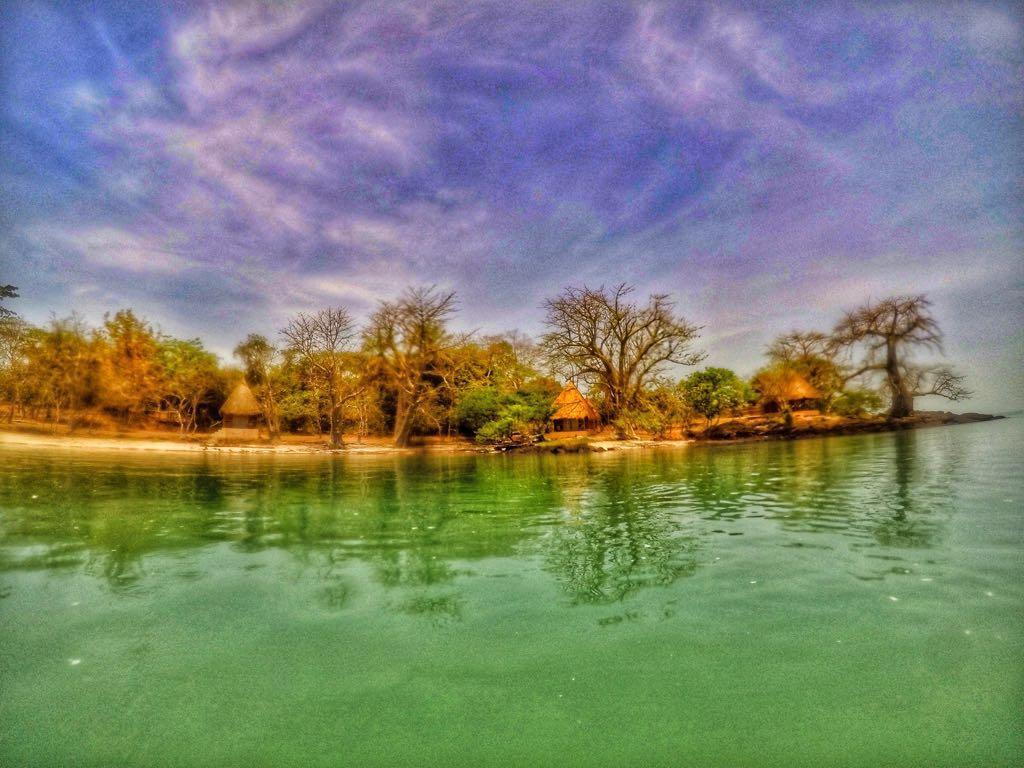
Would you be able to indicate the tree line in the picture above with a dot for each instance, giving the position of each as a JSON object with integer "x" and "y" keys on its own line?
{"x": 407, "y": 372}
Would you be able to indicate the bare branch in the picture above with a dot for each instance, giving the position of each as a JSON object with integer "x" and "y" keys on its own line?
{"x": 601, "y": 336}
{"x": 941, "y": 381}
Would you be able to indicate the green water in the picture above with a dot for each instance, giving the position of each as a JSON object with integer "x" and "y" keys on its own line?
{"x": 851, "y": 602}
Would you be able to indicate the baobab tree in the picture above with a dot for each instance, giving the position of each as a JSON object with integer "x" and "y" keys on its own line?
{"x": 602, "y": 337}
{"x": 408, "y": 341}
{"x": 322, "y": 341}
{"x": 888, "y": 332}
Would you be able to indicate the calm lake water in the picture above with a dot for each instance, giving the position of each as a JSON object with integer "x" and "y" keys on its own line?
{"x": 850, "y": 601}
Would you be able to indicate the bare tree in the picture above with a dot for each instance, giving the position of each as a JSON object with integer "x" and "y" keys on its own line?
{"x": 601, "y": 336}
{"x": 938, "y": 380}
{"x": 813, "y": 355}
{"x": 408, "y": 339}
{"x": 511, "y": 358}
{"x": 800, "y": 345}
{"x": 887, "y": 332}
{"x": 323, "y": 341}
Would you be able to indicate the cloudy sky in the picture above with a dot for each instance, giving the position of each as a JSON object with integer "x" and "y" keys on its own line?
{"x": 220, "y": 166}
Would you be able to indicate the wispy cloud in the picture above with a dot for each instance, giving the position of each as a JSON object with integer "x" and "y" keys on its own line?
{"x": 255, "y": 157}
{"x": 109, "y": 248}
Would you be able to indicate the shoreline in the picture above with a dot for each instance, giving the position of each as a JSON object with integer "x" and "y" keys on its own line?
{"x": 729, "y": 433}
{"x": 150, "y": 445}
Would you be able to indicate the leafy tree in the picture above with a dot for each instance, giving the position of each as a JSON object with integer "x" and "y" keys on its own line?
{"x": 299, "y": 399}
{"x": 14, "y": 369}
{"x": 661, "y": 408}
{"x": 476, "y": 407}
{"x": 495, "y": 431}
{"x": 713, "y": 391}
{"x": 190, "y": 375}
{"x": 323, "y": 341}
{"x": 462, "y": 367}
{"x": 7, "y": 292}
{"x": 886, "y": 333}
{"x": 64, "y": 360}
{"x": 857, "y": 403}
{"x": 490, "y": 414}
{"x": 515, "y": 417}
{"x": 263, "y": 371}
{"x": 409, "y": 341}
{"x": 131, "y": 370}
{"x": 616, "y": 344}
{"x": 538, "y": 395}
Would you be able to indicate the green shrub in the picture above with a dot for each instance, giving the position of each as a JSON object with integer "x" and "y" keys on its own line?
{"x": 857, "y": 402}
{"x": 496, "y": 431}
{"x": 714, "y": 391}
{"x": 491, "y": 415}
{"x": 476, "y": 408}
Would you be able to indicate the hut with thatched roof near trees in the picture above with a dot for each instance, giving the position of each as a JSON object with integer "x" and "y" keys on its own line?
{"x": 782, "y": 389}
{"x": 240, "y": 414}
{"x": 574, "y": 412}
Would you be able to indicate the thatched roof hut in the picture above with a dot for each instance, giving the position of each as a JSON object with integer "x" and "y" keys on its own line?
{"x": 574, "y": 412}
{"x": 240, "y": 416}
{"x": 785, "y": 387}
{"x": 241, "y": 402}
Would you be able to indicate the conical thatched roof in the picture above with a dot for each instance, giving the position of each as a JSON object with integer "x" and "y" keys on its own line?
{"x": 785, "y": 385}
{"x": 799, "y": 388}
{"x": 571, "y": 404}
{"x": 241, "y": 402}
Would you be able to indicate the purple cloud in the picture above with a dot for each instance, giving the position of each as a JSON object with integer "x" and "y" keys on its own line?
{"x": 223, "y": 165}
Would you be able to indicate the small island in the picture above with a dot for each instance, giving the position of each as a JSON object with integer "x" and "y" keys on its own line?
{"x": 609, "y": 372}
{"x": 414, "y": 384}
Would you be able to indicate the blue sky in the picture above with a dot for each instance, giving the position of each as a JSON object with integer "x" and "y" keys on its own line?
{"x": 221, "y": 166}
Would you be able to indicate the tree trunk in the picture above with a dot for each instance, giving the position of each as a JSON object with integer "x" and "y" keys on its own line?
{"x": 902, "y": 403}
{"x": 335, "y": 416}
{"x": 616, "y": 398}
{"x": 270, "y": 414}
{"x": 902, "y": 398}
{"x": 404, "y": 414}
{"x": 787, "y": 415}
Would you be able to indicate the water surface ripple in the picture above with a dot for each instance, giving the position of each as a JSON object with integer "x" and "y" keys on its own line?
{"x": 846, "y": 601}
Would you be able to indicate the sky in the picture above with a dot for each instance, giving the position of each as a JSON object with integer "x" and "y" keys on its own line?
{"x": 222, "y": 166}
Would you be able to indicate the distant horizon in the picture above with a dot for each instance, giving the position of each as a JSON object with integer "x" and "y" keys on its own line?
{"x": 220, "y": 168}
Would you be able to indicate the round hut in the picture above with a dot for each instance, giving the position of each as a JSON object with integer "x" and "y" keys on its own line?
{"x": 573, "y": 412}
{"x": 241, "y": 414}
{"x": 782, "y": 389}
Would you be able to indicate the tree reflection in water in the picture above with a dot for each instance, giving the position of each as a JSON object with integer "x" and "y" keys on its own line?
{"x": 618, "y": 537}
{"x": 604, "y": 527}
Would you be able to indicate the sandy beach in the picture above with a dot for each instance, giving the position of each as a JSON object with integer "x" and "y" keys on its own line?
{"x": 749, "y": 430}
{"x": 126, "y": 443}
